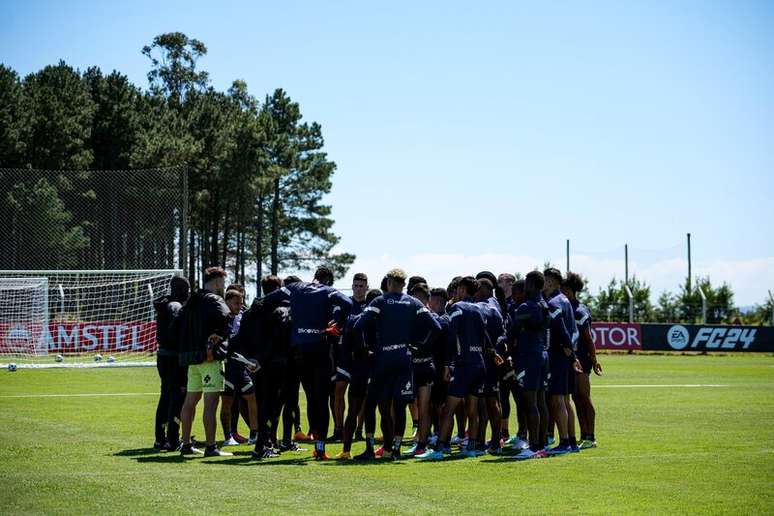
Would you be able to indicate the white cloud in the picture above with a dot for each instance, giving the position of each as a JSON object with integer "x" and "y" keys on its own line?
{"x": 750, "y": 279}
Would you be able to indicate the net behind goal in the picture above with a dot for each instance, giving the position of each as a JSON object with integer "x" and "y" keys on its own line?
{"x": 80, "y": 318}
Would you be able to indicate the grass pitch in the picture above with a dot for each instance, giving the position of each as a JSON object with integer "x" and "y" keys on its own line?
{"x": 676, "y": 434}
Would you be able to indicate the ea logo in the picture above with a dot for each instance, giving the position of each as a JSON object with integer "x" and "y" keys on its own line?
{"x": 678, "y": 337}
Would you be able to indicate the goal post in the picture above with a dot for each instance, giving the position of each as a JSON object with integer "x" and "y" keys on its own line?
{"x": 86, "y": 317}
{"x": 23, "y": 317}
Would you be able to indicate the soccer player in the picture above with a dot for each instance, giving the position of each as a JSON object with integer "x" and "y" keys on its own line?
{"x": 239, "y": 402}
{"x": 398, "y": 320}
{"x": 343, "y": 359}
{"x": 528, "y": 341}
{"x": 357, "y": 345}
{"x": 203, "y": 328}
{"x": 510, "y": 386}
{"x": 173, "y": 376}
{"x": 505, "y": 281}
{"x": 561, "y": 359}
{"x": 439, "y": 298}
{"x": 490, "y": 404}
{"x": 467, "y": 342}
{"x": 587, "y": 357}
{"x": 237, "y": 378}
{"x": 424, "y": 375}
{"x": 316, "y": 310}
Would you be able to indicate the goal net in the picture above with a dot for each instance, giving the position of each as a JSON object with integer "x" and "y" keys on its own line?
{"x": 80, "y": 318}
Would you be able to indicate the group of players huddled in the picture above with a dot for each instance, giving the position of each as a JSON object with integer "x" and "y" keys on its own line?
{"x": 445, "y": 355}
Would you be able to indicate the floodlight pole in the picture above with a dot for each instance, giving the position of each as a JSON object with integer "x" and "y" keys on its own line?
{"x": 626, "y": 264}
{"x": 689, "y": 263}
{"x": 568, "y": 255}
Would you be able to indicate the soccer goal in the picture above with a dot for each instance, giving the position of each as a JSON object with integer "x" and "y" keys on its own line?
{"x": 80, "y": 318}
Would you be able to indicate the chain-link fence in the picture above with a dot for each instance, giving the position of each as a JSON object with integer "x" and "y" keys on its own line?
{"x": 93, "y": 219}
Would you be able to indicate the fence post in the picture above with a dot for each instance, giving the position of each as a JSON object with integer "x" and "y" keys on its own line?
{"x": 703, "y": 305}
{"x": 631, "y": 303}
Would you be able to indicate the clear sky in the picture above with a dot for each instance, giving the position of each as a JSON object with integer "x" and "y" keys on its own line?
{"x": 475, "y": 136}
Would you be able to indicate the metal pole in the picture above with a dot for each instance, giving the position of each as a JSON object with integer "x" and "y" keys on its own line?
{"x": 631, "y": 303}
{"x": 689, "y": 263}
{"x": 568, "y": 255}
{"x": 184, "y": 223}
{"x": 150, "y": 293}
{"x": 626, "y": 263}
{"x": 703, "y": 305}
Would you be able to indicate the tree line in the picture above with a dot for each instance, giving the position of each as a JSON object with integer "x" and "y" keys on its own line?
{"x": 611, "y": 303}
{"x": 256, "y": 172}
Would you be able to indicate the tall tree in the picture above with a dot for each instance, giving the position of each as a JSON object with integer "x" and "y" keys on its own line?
{"x": 61, "y": 112}
{"x": 174, "y": 74}
{"x": 14, "y": 119}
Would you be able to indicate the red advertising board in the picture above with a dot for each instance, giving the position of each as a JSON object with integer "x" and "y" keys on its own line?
{"x": 614, "y": 335}
{"x": 81, "y": 337}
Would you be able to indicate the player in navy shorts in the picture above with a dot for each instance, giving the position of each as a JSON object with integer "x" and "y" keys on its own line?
{"x": 587, "y": 357}
{"x": 397, "y": 319}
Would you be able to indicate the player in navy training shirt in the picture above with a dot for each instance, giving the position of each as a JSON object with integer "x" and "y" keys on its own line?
{"x": 466, "y": 346}
{"x": 587, "y": 357}
{"x": 563, "y": 336}
{"x": 399, "y": 320}
{"x": 528, "y": 339}
{"x": 316, "y": 310}
{"x": 490, "y": 409}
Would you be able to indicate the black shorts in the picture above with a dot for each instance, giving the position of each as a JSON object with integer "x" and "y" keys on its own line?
{"x": 492, "y": 381}
{"x": 440, "y": 389}
{"x": 560, "y": 371}
{"x": 531, "y": 371}
{"x": 396, "y": 384}
{"x": 237, "y": 379}
{"x": 467, "y": 380}
{"x": 424, "y": 372}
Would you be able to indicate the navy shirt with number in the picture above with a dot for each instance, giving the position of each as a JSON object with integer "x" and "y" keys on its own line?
{"x": 397, "y": 320}
{"x": 467, "y": 336}
{"x": 312, "y": 307}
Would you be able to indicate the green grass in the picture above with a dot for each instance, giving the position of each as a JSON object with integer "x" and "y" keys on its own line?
{"x": 670, "y": 449}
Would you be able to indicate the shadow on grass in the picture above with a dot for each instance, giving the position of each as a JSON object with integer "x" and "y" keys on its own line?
{"x": 166, "y": 458}
{"x": 137, "y": 451}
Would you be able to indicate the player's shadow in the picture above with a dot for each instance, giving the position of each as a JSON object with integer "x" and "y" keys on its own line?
{"x": 137, "y": 451}
{"x": 361, "y": 463}
{"x": 246, "y": 459}
{"x": 164, "y": 458}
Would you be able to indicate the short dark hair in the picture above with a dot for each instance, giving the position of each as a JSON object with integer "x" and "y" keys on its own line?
{"x": 487, "y": 275}
{"x": 214, "y": 272}
{"x": 237, "y": 287}
{"x": 324, "y": 275}
{"x": 470, "y": 285}
{"x": 270, "y": 283}
{"x": 440, "y": 292}
{"x": 234, "y": 293}
{"x": 553, "y": 272}
{"x": 485, "y": 283}
{"x": 534, "y": 281}
{"x": 383, "y": 286}
{"x": 574, "y": 282}
{"x": 415, "y": 280}
{"x": 373, "y": 294}
{"x": 360, "y": 276}
{"x": 451, "y": 290}
{"x": 420, "y": 289}
{"x": 518, "y": 286}
{"x": 291, "y": 279}
{"x": 179, "y": 288}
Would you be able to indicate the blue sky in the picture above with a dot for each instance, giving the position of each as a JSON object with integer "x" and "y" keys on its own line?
{"x": 470, "y": 136}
